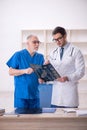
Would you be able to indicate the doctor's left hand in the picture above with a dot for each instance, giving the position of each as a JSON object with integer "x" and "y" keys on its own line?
{"x": 41, "y": 81}
{"x": 63, "y": 79}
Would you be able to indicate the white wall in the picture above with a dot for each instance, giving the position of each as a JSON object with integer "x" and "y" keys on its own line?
{"x": 16, "y": 15}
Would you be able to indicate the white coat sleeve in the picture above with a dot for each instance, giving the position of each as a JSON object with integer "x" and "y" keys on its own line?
{"x": 79, "y": 68}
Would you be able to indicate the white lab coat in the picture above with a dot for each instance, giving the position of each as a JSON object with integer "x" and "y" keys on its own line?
{"x": 72, "y": 65}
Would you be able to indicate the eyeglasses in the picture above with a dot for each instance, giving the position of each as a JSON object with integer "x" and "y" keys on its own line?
{"x": 58, "y": 39}
{"x": 35, "y": 42}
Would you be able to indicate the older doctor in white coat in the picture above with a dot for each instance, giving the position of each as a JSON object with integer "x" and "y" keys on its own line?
{"x": 70, "y": 65}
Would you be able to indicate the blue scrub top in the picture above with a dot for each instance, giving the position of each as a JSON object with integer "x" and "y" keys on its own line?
{"x": 26, "y": 85}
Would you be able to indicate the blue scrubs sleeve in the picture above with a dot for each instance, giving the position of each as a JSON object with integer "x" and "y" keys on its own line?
{"x": 13, "y": 61}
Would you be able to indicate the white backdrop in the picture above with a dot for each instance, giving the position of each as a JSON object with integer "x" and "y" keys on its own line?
{"x": 16, "y": 15}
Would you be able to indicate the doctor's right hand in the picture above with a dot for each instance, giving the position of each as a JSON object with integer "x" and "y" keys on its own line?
{"x": 28, "y": 71}
{"x": 63, "y": 79}
{"x": 46, "y": 62}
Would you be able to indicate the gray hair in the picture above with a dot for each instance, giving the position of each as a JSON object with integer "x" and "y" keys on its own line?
{"x": 28, "y": 37}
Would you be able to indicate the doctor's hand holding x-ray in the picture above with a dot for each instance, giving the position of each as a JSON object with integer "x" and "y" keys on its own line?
{"x": 68, "y": 60}
{"x": 61, "y": 79}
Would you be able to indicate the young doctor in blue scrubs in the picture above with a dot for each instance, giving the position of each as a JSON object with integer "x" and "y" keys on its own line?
{"x": 26, "y": 82}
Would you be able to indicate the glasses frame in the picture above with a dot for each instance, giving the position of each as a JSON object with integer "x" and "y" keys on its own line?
{"x": 36, "y": 42}
{"x": 58, "y": 39}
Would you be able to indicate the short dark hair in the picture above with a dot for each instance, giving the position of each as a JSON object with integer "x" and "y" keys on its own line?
{"x": 59, "y": 30}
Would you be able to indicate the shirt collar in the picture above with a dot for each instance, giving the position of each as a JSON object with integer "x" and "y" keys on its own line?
{"x": 66, "y": 45}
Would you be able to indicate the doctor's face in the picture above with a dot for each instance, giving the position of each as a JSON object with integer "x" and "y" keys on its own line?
{"x": 59, "y": 39}
{"x": 33, "y": 44}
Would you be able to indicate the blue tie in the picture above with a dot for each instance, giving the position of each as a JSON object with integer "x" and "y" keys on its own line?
{"x": 61, "y": 52}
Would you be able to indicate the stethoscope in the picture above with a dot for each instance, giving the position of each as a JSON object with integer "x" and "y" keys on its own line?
{"x": 55, "y": 52}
